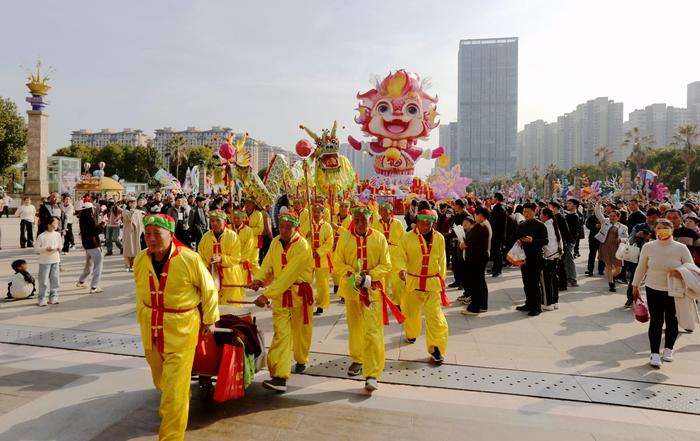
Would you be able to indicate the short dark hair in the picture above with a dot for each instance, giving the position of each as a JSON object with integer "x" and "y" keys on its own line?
{"x": 653, "y": 211}
{"x": 575, "y": 201}
{"x": 460, "y": 202}
{"x": 547, "y": 212}
{"x": 531, "y": 205}
{"x": 423, "y": 205}
{"x": 673, "y": 210}
{"x": 483, "y": 211}
{"x": 498, "y": 196}
{"x": 17, "y": 263}
{"x": 555, "y": 204}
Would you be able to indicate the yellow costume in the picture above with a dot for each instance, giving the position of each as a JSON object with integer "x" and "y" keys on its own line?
{"x": 169, "y": 320}
{"x": 229, "y": 271}
{"x": 374, "y": 208}
{"x": 304, "y": 222}
{"x": 292, "y": 317}
{"x": 322, "y": 240}
{"x": 425, "y": 265}
{"x": 257, "y": 224}
{"x": 343, "y": 226}
{"x": 249, "y": 251}
{"x": 393, "y": 232}
{"x": 365, "y": 323}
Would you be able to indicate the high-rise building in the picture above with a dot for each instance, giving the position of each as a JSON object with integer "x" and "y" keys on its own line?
{"x": 448, "y": 139}
{"x": 661, "y": 122}
{"x": 362, "y": 162}
{"x": 693, "y": 101}
{"x": 487, "y": 107}
{"x": 192, "y": 136}
{"x": 574, "y": 138}
{"x": 107, "y": 136}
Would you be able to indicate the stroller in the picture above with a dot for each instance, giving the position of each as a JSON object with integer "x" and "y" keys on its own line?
{"x": 226, "y": 361}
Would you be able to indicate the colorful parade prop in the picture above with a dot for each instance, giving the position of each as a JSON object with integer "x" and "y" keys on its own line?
{"x": 397, "y": 113}
{"x": 449, "y": 184}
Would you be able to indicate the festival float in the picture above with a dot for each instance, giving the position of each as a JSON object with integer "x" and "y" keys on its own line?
{"x": 97, "y": 184}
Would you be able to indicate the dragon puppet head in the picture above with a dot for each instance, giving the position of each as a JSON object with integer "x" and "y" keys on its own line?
{"x": 326, "y": 147}
{"x": 397, "y": 109}
{"x": 234, "y": 152}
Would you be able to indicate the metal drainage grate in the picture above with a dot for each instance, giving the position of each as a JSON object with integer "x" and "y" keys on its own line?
{"x": 534, "y": 384}
{"x": 506, "y": 381}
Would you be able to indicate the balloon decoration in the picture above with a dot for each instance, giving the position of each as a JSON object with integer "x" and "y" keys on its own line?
{"x": 303, "y": 148}
{"x": 443, "y": 161}
{"x": 397, "y": 113}
{"x": 449, "y": 184}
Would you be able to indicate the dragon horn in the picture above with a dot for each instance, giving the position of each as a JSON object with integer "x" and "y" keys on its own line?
{"x": 310, "y": 132}
{"x": 335, "y": 126}
{"x": 241, "y": 141}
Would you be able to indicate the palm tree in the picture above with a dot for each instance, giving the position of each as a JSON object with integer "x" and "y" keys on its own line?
{"x": 603, "y": 154}
{"x": 177, "y": 152}
{"x": 685, "y": 137}
{"x": 641, "y": 146}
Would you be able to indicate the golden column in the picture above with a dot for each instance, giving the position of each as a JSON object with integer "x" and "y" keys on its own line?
{"x": 36, "y": 183}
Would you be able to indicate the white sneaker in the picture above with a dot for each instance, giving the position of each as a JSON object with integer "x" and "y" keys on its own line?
{"x": 667, "y": 355}
{"x": 548, "y": 307}
{"x": 655, "y": 360}
{"x": 96, "y": 290}
{"x": 80, "y": 285}
{"x": 556, "y": 306}
{"x": 53, "y": 301}
{"x": 42, "y": 302}
{"x": 371, "y": 384}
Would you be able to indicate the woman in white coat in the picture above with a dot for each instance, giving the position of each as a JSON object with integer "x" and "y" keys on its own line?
{"x": 133, "y": 229}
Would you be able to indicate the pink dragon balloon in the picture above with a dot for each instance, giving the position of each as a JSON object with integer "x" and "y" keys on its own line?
{"x": 397, "y": 113}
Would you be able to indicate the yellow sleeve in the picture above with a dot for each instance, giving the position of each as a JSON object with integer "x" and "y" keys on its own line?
{"x": 232, "y": 257}
{"x": 204, "y": 249}
{"x": 209, "y": 294}
{"x": 325, "y": 240}
{"x": 396, "y": 232}
{"x": 265, "y": 269}
{"x": 384, "y": 266}
{"x": 442, "y": 266}
{"x": 340, "y": 266}
{"x": 401, "y": 256}
{"x": 299, "y": 261}
{"x": 255, "y": 222}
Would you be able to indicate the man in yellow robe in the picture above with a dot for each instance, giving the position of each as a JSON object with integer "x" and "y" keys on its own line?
{"x": 220, "y": 249}
{"x": 341, "y": 223}
{"x": 256, "y": 222}
{"x": 286, "y": 272}
{"x": 171, "y": 282}
{"x": 361, "y": 260}
{"x": 303, "y": 213}
{"x": 249, "y": 252}
{"x": 321, "y": 239}
{"x": 423, "y": 266}
{"x": 393, "y": 232}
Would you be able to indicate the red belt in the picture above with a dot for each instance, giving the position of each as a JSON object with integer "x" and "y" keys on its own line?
{"x": 260, "y": 241}
{"x": 317, "y": 262}
{"x": 306, "y": 292}
{"x": 157, "y": 333}
{"x": 249, "y": 278}
{"x": 423, "y": 279}
{"x": 386, "y": 303}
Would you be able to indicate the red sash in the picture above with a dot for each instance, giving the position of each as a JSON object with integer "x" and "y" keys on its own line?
{"x": 423, "y": 276}
{"x": 316, "y": 237}
{"x": 157, "y": 305}
{"x": 386, "y": 228}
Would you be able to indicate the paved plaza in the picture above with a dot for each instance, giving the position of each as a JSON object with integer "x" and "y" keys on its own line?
{"x": 50, "y": 391}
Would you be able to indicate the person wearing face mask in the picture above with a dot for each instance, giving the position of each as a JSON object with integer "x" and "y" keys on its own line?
{"x": 612, "y": 233}
{"x": 657, "y": 261}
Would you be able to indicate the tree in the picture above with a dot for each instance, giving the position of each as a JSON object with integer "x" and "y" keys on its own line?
{"x": 84, "y": 152}
{"x": 685, "y": 137}
{"x": 140, "y": 164}
{"x": 177, "y": 152}
{"x": 13, "y": 135}
{"x": 603, "y": 154}
{"x": 641, "y": 146}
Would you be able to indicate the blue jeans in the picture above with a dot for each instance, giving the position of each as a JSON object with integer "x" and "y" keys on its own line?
{"x": 48, "y": 278}
{"x": 112, "y": 235}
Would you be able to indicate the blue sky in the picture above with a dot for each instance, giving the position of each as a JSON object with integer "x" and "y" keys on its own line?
{"x": 267, "y": 67}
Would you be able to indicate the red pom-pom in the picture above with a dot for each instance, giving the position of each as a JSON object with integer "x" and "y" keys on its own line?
{"x": 304, "y": 148}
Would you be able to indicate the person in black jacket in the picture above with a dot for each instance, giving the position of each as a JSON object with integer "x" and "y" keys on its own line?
{"x": 567, "y": 238}
{"x": 47, "y": 211}
{"x": 572, "y": 222}
{"x": 498, "y": 227}
{"x": 476, "y": 256}
{"x": 593, "y": 244}
{"x": 457, "y": 260}
{"x": 635, "y": 216}
{"x": 90, "y": 237}
{"x": 532, "y": 236}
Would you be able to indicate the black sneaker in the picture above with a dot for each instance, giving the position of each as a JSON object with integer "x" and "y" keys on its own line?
{"x": 318, "y": 311}
{"x": 342, "y": 300}
{"x": 611, "y": 287}
{"x": 437, "y": 356}
{"x": 534, "y": 313}
{"x": 453, "y": 285}
{"x": 495, "y": 274}
{"x": 277, "y": 384}
{"x": 410, "y": 340}
{"x": 628, "y": 304}
{"x": 354, "y": 369}
{"x": 522, "y": 308}
{"x": 589, "y": 273}
{"x": 299, "y": 368}
{"x": 335, "y": 289}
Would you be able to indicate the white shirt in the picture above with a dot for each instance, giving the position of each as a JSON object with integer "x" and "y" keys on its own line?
{"x": 19, "y": 287}
{"x": 550, "y": 250}
{"x": 26, "y": 212}
{"x": 49, "y": 240}
{"x": 657, "y": 259}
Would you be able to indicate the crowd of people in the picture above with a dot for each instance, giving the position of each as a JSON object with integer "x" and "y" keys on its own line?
{"x": 296, "y": 249}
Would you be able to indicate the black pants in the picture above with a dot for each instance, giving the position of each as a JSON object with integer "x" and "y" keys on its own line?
{"x": 576, "y": 245}
{"x": 630, "y": 268}
{"x": 550, "y": 281}
{"x": 662, "y": 308}
{"x": 497, "y": 257}
{"x": 474, "y": 271}
{"x": 265, "y": 247}
{"x": 593, "y": 246}
{"x": 68, "y": 239}
{"x": 26, "y": 233}
{"x": 6, "y": 211}
{"x": 531, "y": 282}
{"x": 560, "y": 274}
{"x": 458, "y": 267}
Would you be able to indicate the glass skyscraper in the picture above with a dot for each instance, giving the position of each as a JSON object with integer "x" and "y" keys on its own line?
{"x": 488, "y": 107}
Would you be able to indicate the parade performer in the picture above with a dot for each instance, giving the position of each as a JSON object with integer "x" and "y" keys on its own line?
{"x": 425, "y": 284}
{"x": 286, "y": 272}
{"x": 397, "y": 112}
{"x": 249, "y": 252}
{"x": 171, "y": 283}
{"x": 321, "y": 238}
{"x": 361, "y": 260}
{"x": 341, "y": 223}
{"x": 303, "y": 213}
{"x": 221, "y": 250}
{"x": 393, "y": 232}
{"x": 255, "y": 222}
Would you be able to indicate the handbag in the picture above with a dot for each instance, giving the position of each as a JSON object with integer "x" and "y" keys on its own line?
{"x": 641, "y": 312}
{"x": 206, "y": 356}
{"x": 229, "y": 382}
{"x": 627, "y": 252}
